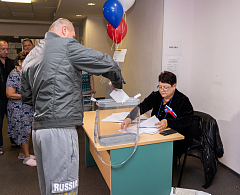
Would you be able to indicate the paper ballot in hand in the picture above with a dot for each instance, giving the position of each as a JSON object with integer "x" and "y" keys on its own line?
{"x": 119, "y": 96}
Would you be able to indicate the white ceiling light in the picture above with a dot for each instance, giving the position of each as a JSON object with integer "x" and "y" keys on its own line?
{"x": 91, "y": 4}
{"x": 18, "y": 1}
{"x": 78, "y": 15}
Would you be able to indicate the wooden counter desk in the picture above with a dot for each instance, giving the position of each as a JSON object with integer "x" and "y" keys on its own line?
{"x": 148, "y": 171}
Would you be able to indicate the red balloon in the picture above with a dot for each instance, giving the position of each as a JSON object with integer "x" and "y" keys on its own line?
{"x": 118, "y": 34}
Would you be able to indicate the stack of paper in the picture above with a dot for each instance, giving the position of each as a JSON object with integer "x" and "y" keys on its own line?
{"x": 147, "y": 126}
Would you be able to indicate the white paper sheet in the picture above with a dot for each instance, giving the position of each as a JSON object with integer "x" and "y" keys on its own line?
{"x": 116, "y": 117}
{"x": 133, "y": 129}
{"x": 173, "y": 48}
{"x": 119, "y": 117}
{"x": 119, "y": 55}
{"x": 119, "y": 96}
{"x": 147, "y": 126}
{"x": 183, "y": 191}
{"x": 150, "y": 122}
{"x": 173, "y": 65}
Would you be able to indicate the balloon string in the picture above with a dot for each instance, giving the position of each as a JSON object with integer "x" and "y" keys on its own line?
{"x": 113, "y": 42}
{"x": 112, "y": 46}
{"x": 123, "y": 27}
{"x": 121, "y": 34}
{"x": 115, "y": 36}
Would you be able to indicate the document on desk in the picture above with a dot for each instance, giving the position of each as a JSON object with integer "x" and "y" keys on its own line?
{"x": 116, "y": 117}
{"x": 147, "y": 126}
{"x": 150, "y": 122}
{"x": 119, "y": 117}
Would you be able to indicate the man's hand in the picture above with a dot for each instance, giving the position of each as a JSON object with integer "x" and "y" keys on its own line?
{"x": 110, "y": 84}
{"x": 162, "y": 124}
{"x": 125, "y": 123}
{"x": 93, "y": 91}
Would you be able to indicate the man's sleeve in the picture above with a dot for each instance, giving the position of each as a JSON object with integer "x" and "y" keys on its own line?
{"x": 94, "y": 62}
{"x": 25, "y": 90}
{"x": 145, "y": 106}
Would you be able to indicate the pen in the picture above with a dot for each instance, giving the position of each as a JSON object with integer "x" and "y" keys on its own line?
{"x": 147, "y": 127}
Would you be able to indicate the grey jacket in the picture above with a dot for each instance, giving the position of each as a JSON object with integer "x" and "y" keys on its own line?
{"x": 51, "y": 80}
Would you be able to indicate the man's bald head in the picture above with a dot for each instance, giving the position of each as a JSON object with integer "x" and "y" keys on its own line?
{"x": 63, "y": 28}
{"x": 3, "y": 42}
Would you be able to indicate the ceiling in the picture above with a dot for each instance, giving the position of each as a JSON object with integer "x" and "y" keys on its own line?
{"x": 47, "y": 11}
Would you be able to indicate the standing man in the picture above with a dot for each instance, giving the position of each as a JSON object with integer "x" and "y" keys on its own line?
{"x": 27, "y": 46}
{"x": 6, "y": 65}
{"x": 51, "y": 82}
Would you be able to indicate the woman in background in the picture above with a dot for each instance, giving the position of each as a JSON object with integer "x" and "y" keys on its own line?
{"x": 19, "y": 115}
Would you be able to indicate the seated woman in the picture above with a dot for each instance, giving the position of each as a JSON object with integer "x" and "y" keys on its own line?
{"x": 19, "y": 115}
{"x": 169, "y": 96}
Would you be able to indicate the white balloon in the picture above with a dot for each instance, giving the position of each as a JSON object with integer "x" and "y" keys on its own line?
{"x": 126, "y": 4}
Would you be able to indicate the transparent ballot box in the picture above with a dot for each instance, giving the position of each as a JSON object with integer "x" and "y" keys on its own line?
{"x": 109, "y": 117}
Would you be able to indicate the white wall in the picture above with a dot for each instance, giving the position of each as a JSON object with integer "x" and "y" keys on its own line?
{"x": 210, "y": 67}
{"x": 178, "y": 20}
{"x": 143, "y": 42}
{"x": 95, "y": 37}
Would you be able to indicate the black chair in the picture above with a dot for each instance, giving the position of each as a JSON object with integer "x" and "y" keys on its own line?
{"x": 207, "y": 145}
{"x": 195, "y": 149}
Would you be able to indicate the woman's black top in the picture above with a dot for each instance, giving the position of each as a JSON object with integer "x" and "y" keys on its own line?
{"x": 180, "y": 104}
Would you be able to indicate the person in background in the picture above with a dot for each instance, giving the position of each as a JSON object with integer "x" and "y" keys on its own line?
{"x": 52, "y": 83}
{"x": 168, "y": 97}
{"x": 19, "y": 115}
{"x": 6, "y": 65}
{"x": 87, "y": 88}
{"x": 27, "y": 46}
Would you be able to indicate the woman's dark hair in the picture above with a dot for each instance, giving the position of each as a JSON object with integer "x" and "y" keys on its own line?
{"x": 27, "y": 39}
{"x": 22, "y": 55}
{"x": 167, "y": 77}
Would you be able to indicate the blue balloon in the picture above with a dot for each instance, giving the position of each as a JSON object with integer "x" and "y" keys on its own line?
{"x": 113, "y": 12}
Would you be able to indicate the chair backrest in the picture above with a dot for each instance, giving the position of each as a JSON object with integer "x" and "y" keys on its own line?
{"x": 195, "y": 127}
{"x": 206, "y": 119}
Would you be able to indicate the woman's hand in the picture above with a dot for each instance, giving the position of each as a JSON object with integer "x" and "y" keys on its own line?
{"x": 125, "y": 123}
{"x": 162, "y": 124}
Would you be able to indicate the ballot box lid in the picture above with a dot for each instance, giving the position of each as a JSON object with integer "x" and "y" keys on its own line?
{"x": 106, "y": 103}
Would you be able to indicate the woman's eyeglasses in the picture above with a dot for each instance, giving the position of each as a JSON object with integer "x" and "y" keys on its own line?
{"x": 164, "y": 88}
